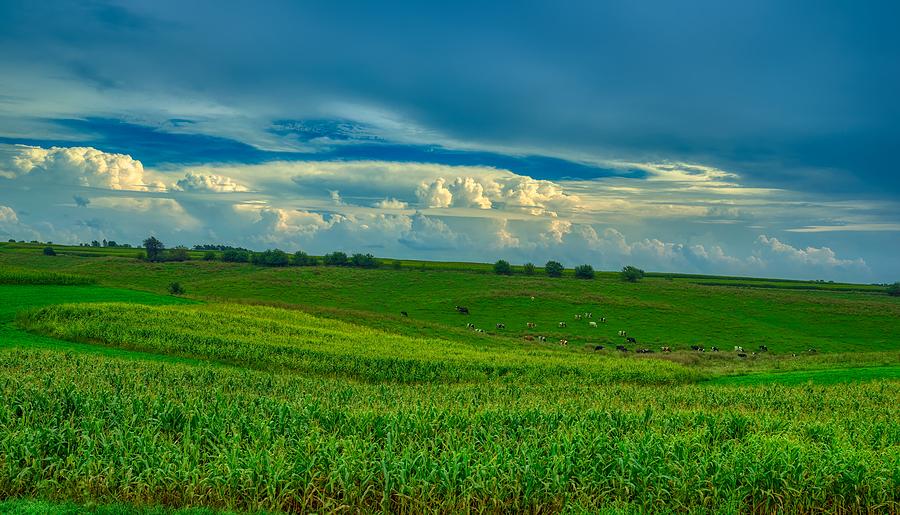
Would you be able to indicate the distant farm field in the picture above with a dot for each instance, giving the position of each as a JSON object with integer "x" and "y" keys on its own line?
{"x": 305, "y": 389}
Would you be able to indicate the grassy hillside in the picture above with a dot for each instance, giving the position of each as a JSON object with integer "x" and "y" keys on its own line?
{"x": 304, "y": 389}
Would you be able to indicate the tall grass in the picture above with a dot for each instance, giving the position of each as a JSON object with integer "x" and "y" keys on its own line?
{"x": 36, "y": 277}
{"x": 267, "y": 338}
{"x": 95, "y": 429}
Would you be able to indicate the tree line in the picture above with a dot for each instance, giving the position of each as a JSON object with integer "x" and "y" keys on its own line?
{"x": 556, "y": 269}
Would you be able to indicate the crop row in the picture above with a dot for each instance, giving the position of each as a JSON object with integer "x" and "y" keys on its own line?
{"x": 91, "y": 428}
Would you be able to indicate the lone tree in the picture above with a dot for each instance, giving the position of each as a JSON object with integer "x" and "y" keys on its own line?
{"x": 48, "y": 251}
{"x": 584, "y": 272}
{"x": 632, "y": 274}
{"x": 554, "y": 268}
{"x": 894, "y": 290}
{"x": 502, "y": 267}
{"x": 176, "y": 288}
{"x": 528, "y": 269}
{"x": 154, "y": 248}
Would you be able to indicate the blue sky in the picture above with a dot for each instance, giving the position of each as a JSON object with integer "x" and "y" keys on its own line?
{"x": 704, "y": 136}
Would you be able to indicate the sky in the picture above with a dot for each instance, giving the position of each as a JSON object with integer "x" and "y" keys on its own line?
{"x": 711, "y": 137}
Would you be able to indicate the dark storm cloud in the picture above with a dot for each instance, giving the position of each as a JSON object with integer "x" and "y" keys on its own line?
{"x": 786, "y": 93}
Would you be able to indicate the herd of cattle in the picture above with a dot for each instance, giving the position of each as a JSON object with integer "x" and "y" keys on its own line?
{"x": 738, "y": 350}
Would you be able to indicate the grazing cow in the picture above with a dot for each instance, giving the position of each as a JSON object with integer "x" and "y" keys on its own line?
{"x": 462, "y": 310}
{"x": 631, "y": 340}
{"x": 623, "y": 333}
{"x": 577, "y": 317}
{"x": 564, "y": 342}
{"x": 621, "y": 348}
{"x": 742, "y": 355}
{"x": 644, "y": 351}
{"x": 470, "y": 326}
{"x": 666, "y": 349}
{"x": 529, "y": 338}
{"x": 763, "y": 348}
{"x": 501, "y": 326}
{"x": 479, "y": 330}
{"x": 715, "y": 349}
{"x": 811, "y": 350}
{"x": 598, "y": 347}
{"x": 603, "y": 319}
{"x": 588, "y": 315}
{"x": 592, "y": 324}
{"x": 532, "y": 297}
{"x": 695, "y": 347}
{"x": 530, "y": 325}
{"x": 542, "y": 338}
{"x": 562, "y": 324}
{"x": 404, "y": 313}
{"x": 738, "y": 348}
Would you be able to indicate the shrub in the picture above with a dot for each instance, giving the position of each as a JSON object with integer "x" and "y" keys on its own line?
{"x": 336, "y": 259}
{"x": 178, "y": 254}
{"x": 154, "y": 248}
{"x": 364, "y": 261}
{"x": 209, "y": 256}
{"x": 140, "y": 255}
{"x": 272, "y": 257}
{"x": 528, "y": 269}
{"x": 502, "y": 267}
{"x": 894, "y": 290}
{"x": 396, "y": 264}
{"x": 48, "y": 251}
{"x": 632, "y": 274}
{"x": 584, "y": 272}
{"x": 303, "y": 259}
{"x": 176, "y": 289}
{"x": 554, "y": 268}
{"x": 236, "y": 256}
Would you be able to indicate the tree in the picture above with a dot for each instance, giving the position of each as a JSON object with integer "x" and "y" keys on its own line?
{"x": 528, "y": 268}
{"x": 584, "y": 272}
{"x": 272, "y": 257}
{"x": 154, "y": 248}
{"x": 632, "y": 274}
{"x": 554, "y": 268}
{"x": 95, "y": 243}
{"x": 336, "y": 259}
{"x": 235, "y": 256}
{"x": 176, "y": 289}
{"x": 303, "y": 259}
{"x": 209, "y": 256}
{"x": 48, "y": 251}
{"x": 894, "y": 290}
{"x": 364, "y": 261}
{"x": 502, "y": 267}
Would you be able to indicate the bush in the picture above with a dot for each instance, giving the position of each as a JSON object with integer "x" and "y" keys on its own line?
{"x": 396, "y": 264}
{"x": 336, "y": 259}
{"x": 272, "y": 257}
{"x": 178, "y": 254}
{"x": 632, "y": 274}
{"x": 303, "y": 259}
{"x": 140, "y": 255}
{"x": 584, "y": 272}
{"x": 554, "y": 268}
{"x": 529, "y": 269}
{"x": 48, "y": 251}
{"x": 176, "y": 289}
{"x": 209, "y": 256}
{"x": 364, "y": 261}
{"x": 502, "y": 267}
{"x": 236, "y": 256}
{"x": 894, "y": 290}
